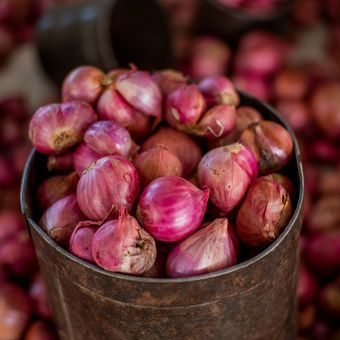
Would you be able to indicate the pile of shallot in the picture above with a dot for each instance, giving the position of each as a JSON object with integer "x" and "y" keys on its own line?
{"x": 153, "y": 175}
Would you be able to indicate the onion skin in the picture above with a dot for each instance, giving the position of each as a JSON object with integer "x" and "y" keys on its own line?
{"x": 63, "y": 162}
{"x": 38, "y": 295}
{"x": 180, "y": 144}
{"x": 157, "y": 162}
{"x": 123, "y": 246}
{"x": 11, "y": 223}
{"x": 264, "y": 213}
{"x": 83, "y": 158}
{"x": 15, "y": 311}
{"x": 209, "y": 249}
{"x": 322, "y": 253}
{"x": 81, "y": 240}
{"x": 108, "y": 138}
{"x": 40, "y": 330}
{"x": 245, "y": 116}
{"x": 83, "y": 83}
{"x": 217, "y": 122}
{"x": 169, "y": 80}
{"x": 218, "y": 90}
{"x": 55, "y": 128}
{"x": 307, "y": 286}
{"x": 286, "y": 183}
{"x": 60, "y": 219}
{"x": 171, "y": 208}
{"x": 56, "y": 187}
{"x": 112, "y": 106}
{"x": 184, "y": 107}
{"x": 227, "y": 171}
{"x": 110, "y": 183}
{"x": 271, "y": 144}
{"x": 140, "y": 91}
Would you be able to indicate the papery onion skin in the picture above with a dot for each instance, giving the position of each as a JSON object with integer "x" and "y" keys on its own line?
{"x": 157, "y": 162}
{"x": 271, "y": 144}
{"x": 184, "y": 107}
{"x": 112, "y": 106}
{"x": 217, "y": 122}
{"x": 264, "y": 213}
{"x": 169, "y": 80}
{"x": 63, "y": 162}
{"x": 123, "y": 246}
{"x": 180, "y": 144}
{"x": 60, "y": 219}
{"x": 218, "y": 90}
{"x": 55, "y": 128}
{"x": 110, "y": 183}
{"x": 54, "y": 188}
{"x": 140, "y": 91}
{"x": 211, "y": 248}
{"x": 81, "y": 240}
{"x": 227, "y": 171}
{"x": 171, "y": 208}
{"x": 15, "y": 311}
{"x": 83, "y": 158}
{"x": 108, "y": 138}
{"x": 83, "y": 83}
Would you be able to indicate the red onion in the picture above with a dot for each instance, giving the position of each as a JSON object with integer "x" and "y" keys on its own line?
{"x": 10, "y": 224}
{"x": 140, "y": 91}
{"x": 307, "y": 286}
{"x": 255, "y": 85}
{"x": 210, "y": 56}
{"x": 271, "y": 144}
{"x": 17, "y": 256}
{"x": 329, "y": 299}
{"x": 217, "y": 122}
{"x": 15, "y": 311}
{"x": 181, "y": 145}
{"x": 81, "y": 239}
{"x": 171, "y": 208}
{"x": 184, "y": 107}
{"x": 295, "y": 112}
{"x": 60, "y": 219}
{"x": 56, "y": 127}
{"x": 112, "y": 106}
{"x": 40, "y": 330}
{"x": 54, "y": 188}
{"x": 110, "y": 183}
{"x": 7, "y": 173}
{"x": 322, "y": 253}
{"x": 325, "y": 103}
{"x": 264, "y": 213}
{"x": 210, "y": 249}
{"x": 307, "y": 317}
{"x": 227, "y": 171}
{"x": 325, "y": 214}
{"x": 83, "y": 158}
{"x": 108, "y": 138}
{"x": 245, "y": 116}
{"x": 123, "y": 246}
{"x": 290, "y": 83}
{"x": 63, "y": 162}
{"x": 169, "y": 80}
{"x": 38, "y": 294}
{"x": 157, "y": 162}
{"x": 218, "y": 90}
{"x": 84, "y": 83}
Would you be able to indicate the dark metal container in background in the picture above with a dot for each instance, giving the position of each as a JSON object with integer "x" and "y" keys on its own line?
{"x": 103, "y": 33}
{"x": 230, "y": 23}
{"x": 255, "y": 299}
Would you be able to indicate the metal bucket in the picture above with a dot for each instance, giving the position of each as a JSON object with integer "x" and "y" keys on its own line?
{"x": 103, "y": 33}
{"x": 255, "y": 299}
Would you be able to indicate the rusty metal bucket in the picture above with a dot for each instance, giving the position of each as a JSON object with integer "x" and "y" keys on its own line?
{"x": 255, "y": 299}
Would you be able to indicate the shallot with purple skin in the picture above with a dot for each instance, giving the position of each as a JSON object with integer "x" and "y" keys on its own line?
{"x": 83, "y": 158}
{"x": 123, "y": 246}
{"x": 212, "y": 248}
{"x": 171, "y": 208}
{"x": 63, "y": 162}
{"x": 169, "y": 80}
